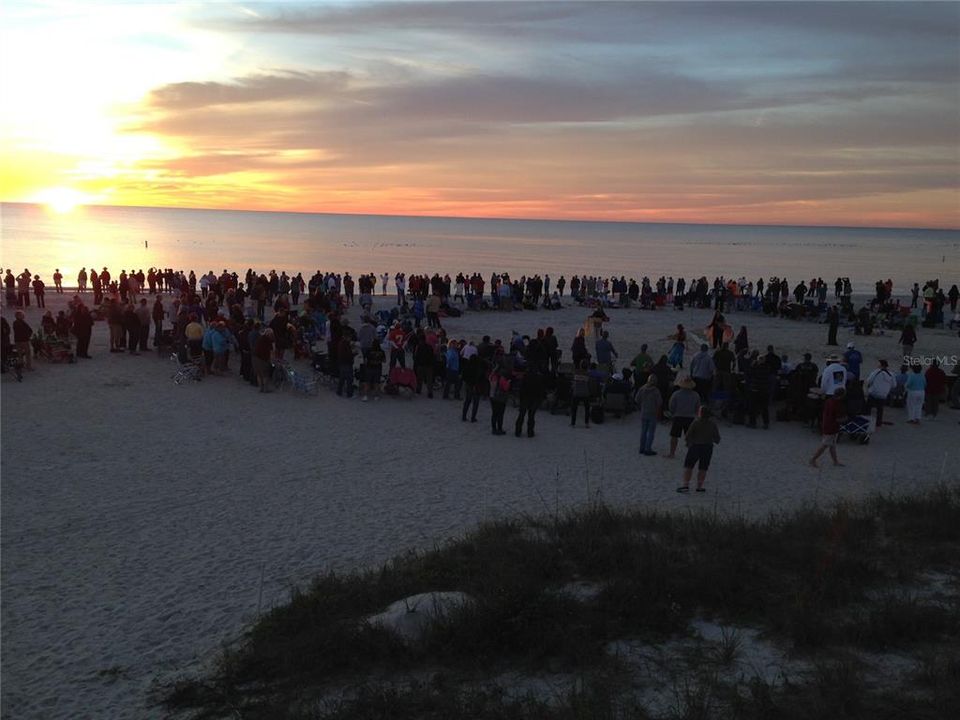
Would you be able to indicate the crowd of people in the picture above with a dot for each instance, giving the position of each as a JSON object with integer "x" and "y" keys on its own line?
{"x": 208, "y": 318}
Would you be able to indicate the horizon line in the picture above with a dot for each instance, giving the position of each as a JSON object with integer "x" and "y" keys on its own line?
{"x": 484, "y": 217}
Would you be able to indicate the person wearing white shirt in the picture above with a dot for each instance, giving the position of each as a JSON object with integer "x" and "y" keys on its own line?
{"x": 834, "y": 376}
{"x": 880, "y": 384}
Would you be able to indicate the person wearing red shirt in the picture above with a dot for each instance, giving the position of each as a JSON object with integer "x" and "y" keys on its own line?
{"x": 936, "y": 387}
{"x": 834, "y": 410}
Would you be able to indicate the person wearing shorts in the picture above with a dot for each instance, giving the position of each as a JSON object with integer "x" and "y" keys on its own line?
{"x": 833, "y": 413}
{"x": 683, "y": 406}
{"x": 702, "y": 435}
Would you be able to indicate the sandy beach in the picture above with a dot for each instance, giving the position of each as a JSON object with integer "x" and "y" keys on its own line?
{"x": 143, "y": 523}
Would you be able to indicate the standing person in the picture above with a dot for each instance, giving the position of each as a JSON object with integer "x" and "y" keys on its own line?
{"x": 82, "y": 280}
{"x": 383, "y": 283}
{"x": 833, "y": 412}
{"x": 22, "y": 332}
{"x": 908, "y": 338}
{"x": 499, "y": 392}
{"x": 131, "y": 323}
{"x": 143, "y": 314}
{"x": 880, "y": 383}
{"x": 58, "y": 281}
{"x": 82, "y": 328}
{"x": 262, "y": 353}
{"x": 741, "y": 342}
{"x": 531, "y": 395}
{"x": 373, "y": 371}
{"x": 650, "y": 402}
{"x": 702, "y": 435}
{"x": 834, "y": 376}
{"x": 475, "y": 382}
{"x": 580, "y": 393}
{"x": 702, "y": 370}
{"x": 916, "y": 386}
{"x": 605, "y": 352}
{"x": 679, "y": 338}
{"x": 936, "y": 389}
{"x": 23, "y": 289}
{"x": 853, "y": 359}
{"x": 684, "y": 405}
{"x": 157, "y": 315}
{"x": 423, "y": 364}
{"x": 39, "y": 290}
{"x": 833, "y": 322}
{"x": 452, "y": 377}
{"x": 716, "y": 328}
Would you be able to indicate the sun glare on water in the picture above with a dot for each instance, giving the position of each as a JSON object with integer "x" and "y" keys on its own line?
{"x": 61, "y": 200}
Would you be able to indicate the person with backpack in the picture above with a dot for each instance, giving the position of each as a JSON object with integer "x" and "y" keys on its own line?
{"x": 580, "y": 394}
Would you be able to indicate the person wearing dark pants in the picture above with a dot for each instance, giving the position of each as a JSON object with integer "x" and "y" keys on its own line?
{"x": 474, "y": 384}
{"x": 499, "y": 392}
{"x": 580, "y": 394}
{"x": 531, "y": 395}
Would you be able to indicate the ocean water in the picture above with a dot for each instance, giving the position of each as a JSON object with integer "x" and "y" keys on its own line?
{"x": 35, "y": 237}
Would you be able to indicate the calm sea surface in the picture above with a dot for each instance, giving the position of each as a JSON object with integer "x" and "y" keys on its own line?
{"x": 124, "y": 238}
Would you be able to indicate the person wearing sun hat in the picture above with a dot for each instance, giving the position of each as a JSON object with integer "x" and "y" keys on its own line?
{"x": 684, "y": 405}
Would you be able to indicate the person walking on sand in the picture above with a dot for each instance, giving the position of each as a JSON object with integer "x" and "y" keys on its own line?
{"x": 833, "y": 412}
{"x": 650, "y": 402}
{"x": 702, "y": 435}
{"x": 580, "y": 393}
{"x": 499, "y": 392}
{"x": 684, "y": 405}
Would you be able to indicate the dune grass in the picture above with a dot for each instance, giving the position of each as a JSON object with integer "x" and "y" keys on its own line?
{"x": 815, "y": 580}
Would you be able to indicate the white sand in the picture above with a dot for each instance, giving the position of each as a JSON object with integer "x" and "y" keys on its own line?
{"x": 138, "y": 517}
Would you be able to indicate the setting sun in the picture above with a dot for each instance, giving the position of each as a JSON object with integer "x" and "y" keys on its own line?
{"x": 61, "y": 200}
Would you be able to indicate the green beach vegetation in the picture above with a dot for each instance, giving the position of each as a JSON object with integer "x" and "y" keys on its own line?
{"x": 851, "y": 611}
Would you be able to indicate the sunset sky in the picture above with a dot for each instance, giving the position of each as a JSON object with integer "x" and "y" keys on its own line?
{"x": 811, "y": 114}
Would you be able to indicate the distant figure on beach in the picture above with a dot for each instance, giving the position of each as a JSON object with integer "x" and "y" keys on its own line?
{"x": 58, "y": 281}
{"x": 833, "y": 412}
{"x": 702, "y": 435}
